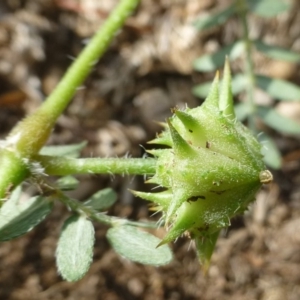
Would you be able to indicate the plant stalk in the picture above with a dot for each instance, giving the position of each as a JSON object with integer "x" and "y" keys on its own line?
{"x": 67, "y": 166}
{"x": 81, "y": 67}
{"x": 249, "y": 69}
{"x": 31, "y": 134}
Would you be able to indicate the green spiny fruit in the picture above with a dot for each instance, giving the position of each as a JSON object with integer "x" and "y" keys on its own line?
{"x": 211, "y": 169}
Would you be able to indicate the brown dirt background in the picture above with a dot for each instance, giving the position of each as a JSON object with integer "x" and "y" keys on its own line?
{"x": 146, "y": 71}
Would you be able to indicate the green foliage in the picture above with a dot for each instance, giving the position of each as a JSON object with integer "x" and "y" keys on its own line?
{"x": 138, "y": 246}
{"x": 67, "y": 183}
{"x": 22, "y": 156}
{"x": 216, "y": 19}
{"x": 74, "y": 251}
{"x": 18, "y": 216}
{"x": 277, "y": 52}
{"x": 210, "y": 165}
{"x": 63, "y": 150}
{"x": 270, "y": 151}
{"x": 276, "y": 88}
{"x": 102, "y": 199}
{"x": 210, "y": 62}
{"x": 278, "y": 122}
{"x": 267, "y": 8}
{"x": 263, "y": 8}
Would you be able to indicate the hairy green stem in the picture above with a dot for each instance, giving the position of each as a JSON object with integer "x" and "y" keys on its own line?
{"x": 76, "y": 74}
{"x": 68, "y": 166}
{"x": 30, "y": 135}
{"x": 242, "y": 10}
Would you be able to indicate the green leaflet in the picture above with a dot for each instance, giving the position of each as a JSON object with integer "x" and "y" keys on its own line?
{"x": 272, "y": 156}
{"x": 210, "y": 62}
{"x": 215, "y": 19}
{"x": 138, "y": 246}
{"x": 276, "y": 52}
{"x": 268, "y": 8}
{"x": 63, "y": 150}
{"x": 277, "y": 88}
{"x": 67, "y": 183}
{"x": 74, "y": 251}
{"x": 273, "y": 119}
{"x": 102, "y": 199}
{"x": 18, "y": 216}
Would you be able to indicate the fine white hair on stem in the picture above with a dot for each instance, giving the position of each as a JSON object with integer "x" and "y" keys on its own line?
{"x": 131, "y": 179}
{"x": 260, "y": 134}
{"x": 142, "y": 146}
{"x": 85, "y": 41}
{"x": 156, "y": 187}
{"x": 71, "y": 57}
{"x": 112, "y": 175}
{"x": 190, "y": 245}
{"x": 160, "y": 223}
{"x": 237, "y": 209}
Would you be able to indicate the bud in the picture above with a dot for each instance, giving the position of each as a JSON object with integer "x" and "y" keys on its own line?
{"x": 211, "y": 169}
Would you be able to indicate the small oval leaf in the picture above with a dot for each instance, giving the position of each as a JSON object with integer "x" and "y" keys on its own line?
{"x": 242, "y": 111}
{"x": 102, "y": 199}
{"x": 138, "y": 246}
{"x": 239, "y": 83}
{"x": 215, "y": 19}
{"x": 279, "y": 89}
{"x": 277, "y": 52}
{"x": 201, "y": 90}
{"x": 269, "y": 150}
{"x": 63, "y": 150}
{"x": 18, "y": 216}
{"x": 211, "y": 62}
{"x": 268, "y": 8}
{"x": 74, "y": 251}
{"x": 278, "y": 122}
{"x": 67, "y": 183}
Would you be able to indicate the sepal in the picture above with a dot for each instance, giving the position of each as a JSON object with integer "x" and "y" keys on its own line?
{"x": 205, "y": 247}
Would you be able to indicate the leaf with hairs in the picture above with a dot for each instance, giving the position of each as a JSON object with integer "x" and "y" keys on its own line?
{"x": 102, "y": 199}
{"x": 74, "y": 251}
{"x": 138, "y": 246}
{"x": 18, "y": 216}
